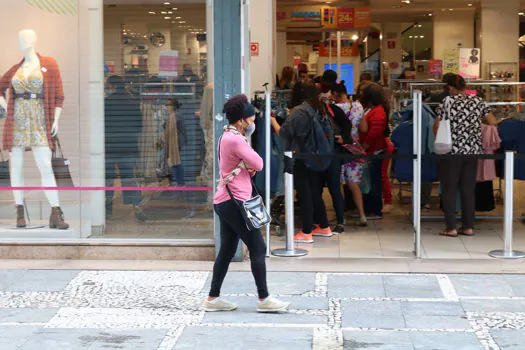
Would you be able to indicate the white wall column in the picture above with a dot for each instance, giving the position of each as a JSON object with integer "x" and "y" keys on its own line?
{"x": 281, "y": 55}
{"x": 453, "y": 29}
{"x": 263, "y": 31}
{"x": 390, "y": 32}
{"x": 499, "y": 33}
{"x": 96, "y": 115}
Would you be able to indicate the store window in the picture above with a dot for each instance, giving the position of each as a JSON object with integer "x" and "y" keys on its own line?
{"x": 152, "y": 161}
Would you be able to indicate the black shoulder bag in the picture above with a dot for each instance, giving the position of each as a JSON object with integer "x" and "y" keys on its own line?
{"x": 253, "y": 210}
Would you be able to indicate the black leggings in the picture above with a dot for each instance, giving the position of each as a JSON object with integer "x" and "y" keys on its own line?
{"x": 233, "y": 228}
{"x": 307, "y": 184}
{"x": 332, "y": 178}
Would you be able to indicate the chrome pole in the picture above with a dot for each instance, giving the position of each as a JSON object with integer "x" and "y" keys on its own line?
{"x": 507, "y": 252}
{"x": 290, "y": 250}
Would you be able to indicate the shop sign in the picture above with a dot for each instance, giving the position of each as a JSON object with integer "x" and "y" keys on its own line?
{"x": 306, "y": 16}
{"x": 348, "y": 48}
{"x": 362, "y": 17}
{"x": 469, "y": 63}
{"x": 435, "y": 67}
{"x": 451, "y": 61}
{"x": 329, "y": 17}
{"x": 254, "y": 49}
{"x": 345, "y": 18}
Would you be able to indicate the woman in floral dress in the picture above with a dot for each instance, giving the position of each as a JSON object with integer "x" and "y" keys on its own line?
{"x": 351, "y": 172}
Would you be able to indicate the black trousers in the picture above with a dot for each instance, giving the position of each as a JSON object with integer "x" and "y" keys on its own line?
{"x": 313, "y": 210}
{"x": 454, "y": 174}
{"x": 332, "y": 178}
{"x": 233, "y": 228}
{"x": 373, "y": 201}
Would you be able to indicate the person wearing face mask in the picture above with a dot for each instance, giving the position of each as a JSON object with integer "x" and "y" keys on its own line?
{"x": 238, "y": 162}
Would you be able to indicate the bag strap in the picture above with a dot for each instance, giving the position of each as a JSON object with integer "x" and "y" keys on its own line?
{"x": 254, "y": 187}
{"x": 57, "y": 150}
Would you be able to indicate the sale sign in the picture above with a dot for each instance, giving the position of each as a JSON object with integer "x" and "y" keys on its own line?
{"x": 345, "y": 18}
{"x": 329, "y": 17}
{"x": 329, "y": 48}
{"x": 435, "y": 67}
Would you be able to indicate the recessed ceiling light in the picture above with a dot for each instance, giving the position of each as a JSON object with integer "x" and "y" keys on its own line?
{"x": 174, "y": 9}
{"x": 521, "y": 13}
{"x": 170, "y": 12}
{"x": 151, "y": 12}
{"x": 405, "y": 1}
{"x": 470, "y": 5}
{"x": 355, "y": 37}
{"x": 167, "y": 17}
{"x": 422, "y": 36}
{"x": 451, "y": 9}
{"x": 430, "y": 15}
{"x": 178, "y": 17}
{"x": 166, "y": 3}
{"x": 164, "y": 12}
{"x": 410, "y": 37}
{"x": 182, "y": 22}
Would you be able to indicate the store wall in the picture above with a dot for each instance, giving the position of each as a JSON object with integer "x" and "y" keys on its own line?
{"x": 263, "y": 32}
{"x": 452, "y": 28}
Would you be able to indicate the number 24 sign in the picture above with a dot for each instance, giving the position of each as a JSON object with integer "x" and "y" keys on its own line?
{"x": 345, "y": 18}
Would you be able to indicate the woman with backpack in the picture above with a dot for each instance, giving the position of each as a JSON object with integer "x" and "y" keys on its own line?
{"x": 238, "y": 162}
{"x": 373, "y": 131}
{"x": 299, "y": 135}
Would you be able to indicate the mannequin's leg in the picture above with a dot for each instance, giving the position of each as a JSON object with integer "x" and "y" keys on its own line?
{"x": 43, "y": 161}
{"x": 16, "y": 161}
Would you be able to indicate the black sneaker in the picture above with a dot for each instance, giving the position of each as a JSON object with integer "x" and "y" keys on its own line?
{"x": 338, "y": 229}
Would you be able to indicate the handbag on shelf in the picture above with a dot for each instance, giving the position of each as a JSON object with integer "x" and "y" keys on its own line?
{"x": 61, "y": 166}
{"x": 5, "y": 177}
{"x": 253, "y": 210}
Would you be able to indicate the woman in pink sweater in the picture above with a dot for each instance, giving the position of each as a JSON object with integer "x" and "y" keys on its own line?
{"x": 238, "y": 162}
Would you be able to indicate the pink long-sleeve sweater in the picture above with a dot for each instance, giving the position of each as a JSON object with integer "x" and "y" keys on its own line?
{"x": 232, "y": 149}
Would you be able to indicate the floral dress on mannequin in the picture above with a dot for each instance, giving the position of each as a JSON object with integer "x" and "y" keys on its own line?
{"x": 29, "y": 124}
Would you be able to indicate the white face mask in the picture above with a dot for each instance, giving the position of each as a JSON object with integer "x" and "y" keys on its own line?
{"x": 249, "y": 130}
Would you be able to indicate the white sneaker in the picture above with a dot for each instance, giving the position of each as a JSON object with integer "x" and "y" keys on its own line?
{"x": 272, "y": 305}
{"x": 219, "y": 305}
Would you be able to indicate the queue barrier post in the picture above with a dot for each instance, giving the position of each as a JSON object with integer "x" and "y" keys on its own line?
{"x": 290, "y": 250}
{"x": 508, "y": 252}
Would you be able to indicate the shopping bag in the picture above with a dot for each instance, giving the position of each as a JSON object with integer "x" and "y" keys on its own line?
{"x": 365, "y": 184}
{"x": 5, "y": 179}
{"x": 61, "y": 166}
{"x": 443, "y": 143}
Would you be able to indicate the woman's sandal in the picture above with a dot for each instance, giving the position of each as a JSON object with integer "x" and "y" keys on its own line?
{"x": 447, "y": 233}
{"x": 462, "y": 232}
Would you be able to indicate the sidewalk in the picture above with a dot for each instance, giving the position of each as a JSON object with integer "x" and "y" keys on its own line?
{"x": 150, "y": 310}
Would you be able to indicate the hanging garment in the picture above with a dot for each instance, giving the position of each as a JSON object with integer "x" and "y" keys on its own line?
{"x": 491, "y": 142}
{"x": 511, "y": 133}
{"x": 206, "y": 118}
{"x": 172, "y": 140}
{"x": 29, "y": 124}
{"x": 192, "y": 153}
{"x": 155, "y": 115}
{"x": 485, "y": 196}
{"x": 402, "y": 137}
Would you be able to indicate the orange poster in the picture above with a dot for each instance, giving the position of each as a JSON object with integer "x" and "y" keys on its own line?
{"x": 362, "y": 17}
{"x": 348, "y": 49}
{"x": 345, "y": 18}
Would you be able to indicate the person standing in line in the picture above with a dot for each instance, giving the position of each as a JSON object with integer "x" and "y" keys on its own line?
{"x": 238, "y": 162}
{"x": 287, "y": 79}
{"x": 352, "y": 171}
{"x": 466, "y": 113}
{"x": 372, "y": 131}
{"x": 295, "y": 131}
{"x": 343, "y": 135}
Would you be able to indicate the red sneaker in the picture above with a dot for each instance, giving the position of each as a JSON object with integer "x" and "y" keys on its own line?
{"x": 322, "y": 232}
{"x": 302, "y": 237}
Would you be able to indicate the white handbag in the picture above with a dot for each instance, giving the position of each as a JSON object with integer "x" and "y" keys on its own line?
{"x": 443, "y": 142}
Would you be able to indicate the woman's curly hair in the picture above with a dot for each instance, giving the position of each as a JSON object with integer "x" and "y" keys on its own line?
{"x": 234, "y": 108}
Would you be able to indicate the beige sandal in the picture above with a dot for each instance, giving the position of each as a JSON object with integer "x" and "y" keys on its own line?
{"x": 447, "y": 233}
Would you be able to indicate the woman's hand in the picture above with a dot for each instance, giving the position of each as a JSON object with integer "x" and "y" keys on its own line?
{"x": 275, "y": 124}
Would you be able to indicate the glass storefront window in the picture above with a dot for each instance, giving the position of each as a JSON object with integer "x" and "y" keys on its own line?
{"x": 155, "y": 149}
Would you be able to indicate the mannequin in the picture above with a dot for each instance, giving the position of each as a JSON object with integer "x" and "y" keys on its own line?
{"x": 29, "y": 105}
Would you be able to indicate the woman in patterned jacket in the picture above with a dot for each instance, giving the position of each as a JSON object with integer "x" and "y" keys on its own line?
{"x": 466, "y": 113}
